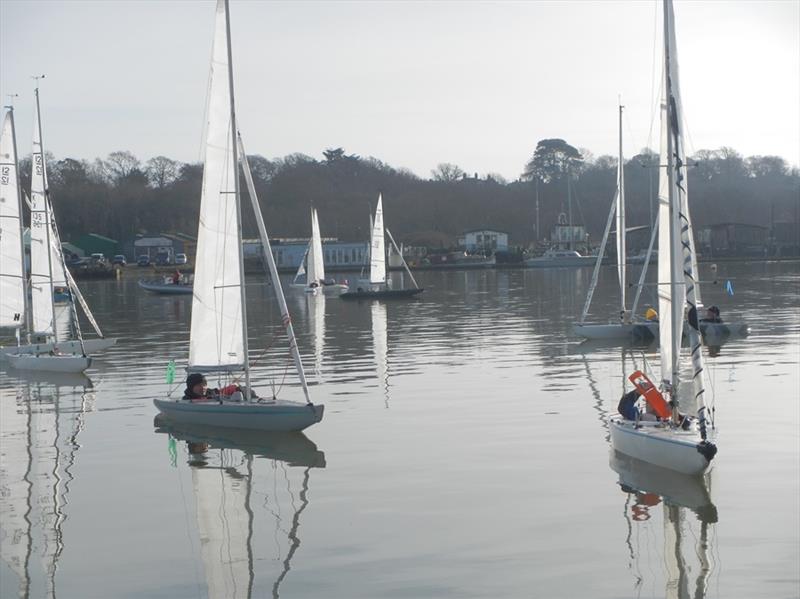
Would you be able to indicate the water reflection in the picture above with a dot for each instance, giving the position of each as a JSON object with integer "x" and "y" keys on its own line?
{"x": 241, "y": 485}
{"x": 40, "y": 423}
{"x": 689, "y": 519}
{"x": 380, "y": 348}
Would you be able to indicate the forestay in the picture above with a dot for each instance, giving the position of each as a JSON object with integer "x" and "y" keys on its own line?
{"x": 377, "y": 262}
{"x": 217, "y": 340}
{"x": 12, "y": 266}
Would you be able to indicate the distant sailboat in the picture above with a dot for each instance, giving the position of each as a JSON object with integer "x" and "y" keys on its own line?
{"x": 378, "y": 287}
{"x": 49, "y": 350}
{"x": 315, "y": 271}
{"x": 626, "y": 325}
{"x": 673, "y": 442}
{"x": 218, "y": 341}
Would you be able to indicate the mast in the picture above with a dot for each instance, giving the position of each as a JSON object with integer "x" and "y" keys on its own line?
{"x": 621, "y": 233}
{"x": 40, "y": 168}
{"x": 237, "y": 192}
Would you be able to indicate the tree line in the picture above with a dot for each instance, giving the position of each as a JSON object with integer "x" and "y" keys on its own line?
{"x": 120, "y": 196}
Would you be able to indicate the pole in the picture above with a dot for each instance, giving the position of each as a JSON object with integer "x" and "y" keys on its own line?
{"x": 25, "y": 303}
{"x": 237, "y": 195}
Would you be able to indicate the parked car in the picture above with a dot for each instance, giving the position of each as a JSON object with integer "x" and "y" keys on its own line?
{"x": 119, "y": 259}
{"x": 180, "y": 259}
{"x": 143, "y": 260}
{"x": 163, "y": 259}
{"x": 98, "y": 259}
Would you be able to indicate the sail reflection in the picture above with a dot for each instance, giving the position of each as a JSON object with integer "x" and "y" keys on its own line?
{"x": 241, "y": 481}
{"x": 689, "y": 518}
{"x": 380, "y": 347}
{"x": 40, "y": 425}
{"x": 316, "y": 319}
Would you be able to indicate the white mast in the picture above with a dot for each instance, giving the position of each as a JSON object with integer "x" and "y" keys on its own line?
{"x": 237, "y": 192}
{"x": 621, "y": 248}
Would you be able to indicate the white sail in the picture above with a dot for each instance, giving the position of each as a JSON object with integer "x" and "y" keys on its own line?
{"x": 686, "y": 269}
{"x": 620, "y": 197}
{"x": 217, "y": 340}
{"x": 377, "y": 261}
{"x": 12, "y": 264}
{"x": 316, "y": 266}
{"x": 41, "y": 282}
{"x": 301, "y": 270}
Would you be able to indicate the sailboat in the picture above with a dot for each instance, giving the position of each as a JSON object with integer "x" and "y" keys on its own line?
{"x": 218, "y": 341}
{"x": 674, "y": 441}
{"x": 48, "y": 272}
{"x": 313, "y": 265}
{"x": 378, "y": 287}
{"x": 626, "y": 326}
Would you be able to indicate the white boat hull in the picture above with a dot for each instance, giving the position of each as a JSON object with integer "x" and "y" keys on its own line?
{"x": 571, "y": 262}
{"x": 274, "y": 415}
{"x": 91, "y": 346}
{"x": 663, "y": 446}
{"x": 334, "y": 289}
{"x": 48, "y": 363}
{"x": 165, "y": 288}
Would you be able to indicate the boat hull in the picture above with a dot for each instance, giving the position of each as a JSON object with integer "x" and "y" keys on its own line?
{"x": 165, "y": 288}
{"x": 334, "y": 289}
{"x": 272, "y": 416}
{"x": 641, "y": 331}
{"x": 382, "y": 294}
{"x": 673, "y": 449}
{"x": 73, "y": 364}
{"x": 90, "y": 346}
{"x": 572, "y": 262}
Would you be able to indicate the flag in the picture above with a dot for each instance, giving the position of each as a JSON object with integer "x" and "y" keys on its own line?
{"x": 170, "y": 372}
{"x": 729, "y": 287}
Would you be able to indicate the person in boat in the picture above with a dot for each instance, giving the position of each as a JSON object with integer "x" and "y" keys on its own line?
{"x": 651, "y": 315}
{"x": 712, "y": 315}
{"x": 176, "y": 277}
{"x": 197, "y": 389}
{"x": 313, "y": 284}
{"x": 629, "y": 408}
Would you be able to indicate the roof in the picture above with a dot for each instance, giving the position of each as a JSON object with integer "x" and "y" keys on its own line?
{"x": 484, "y": 230}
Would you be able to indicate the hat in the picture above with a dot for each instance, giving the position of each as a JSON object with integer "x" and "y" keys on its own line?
{"x": 194, "y": 379}
{"x": 714, "y": 310}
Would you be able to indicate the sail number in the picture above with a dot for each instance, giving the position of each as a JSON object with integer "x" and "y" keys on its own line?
{"x": 5, "y": 175}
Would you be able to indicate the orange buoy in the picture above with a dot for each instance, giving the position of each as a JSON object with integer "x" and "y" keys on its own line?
{"x": 651, "y": 394}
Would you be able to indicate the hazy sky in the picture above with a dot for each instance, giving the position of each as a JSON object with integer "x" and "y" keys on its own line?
{"x": 412, "y": 83}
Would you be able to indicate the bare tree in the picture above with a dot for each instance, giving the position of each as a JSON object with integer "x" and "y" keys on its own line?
{"x": 447, "y": 172}
{"x": 161, "y": 171}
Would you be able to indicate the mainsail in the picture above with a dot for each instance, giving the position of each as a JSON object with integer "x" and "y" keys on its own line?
{"x": 12, "y": 264}
{"x": 620, "y": 197}
{"x": 316, "y": 266}
{"x": 377, "y": 262}
{"x": 41, "y": 244}
{"x": 217, "y": 340}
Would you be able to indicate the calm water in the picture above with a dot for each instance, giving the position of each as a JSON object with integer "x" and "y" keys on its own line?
{"x": 463, "y": 453}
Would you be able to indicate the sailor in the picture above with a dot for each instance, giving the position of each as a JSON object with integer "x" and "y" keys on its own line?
{"x": 712, "y": 315}
{"x": 651, "y": 315}
{"x": 629, "y": 409}
{"x": 197, "y": 389}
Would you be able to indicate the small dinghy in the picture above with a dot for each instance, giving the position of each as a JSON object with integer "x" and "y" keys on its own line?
{"x": 165, "y": 287}
{"x": 218, "y": 341}
{"x": 312, "y": 266}
{"x": 377, "y": 287}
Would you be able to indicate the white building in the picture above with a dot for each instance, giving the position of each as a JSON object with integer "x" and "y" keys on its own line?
{"x": 485, "y": 240}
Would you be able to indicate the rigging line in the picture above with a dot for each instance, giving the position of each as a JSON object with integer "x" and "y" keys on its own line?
{"x": 655, "y": 105}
